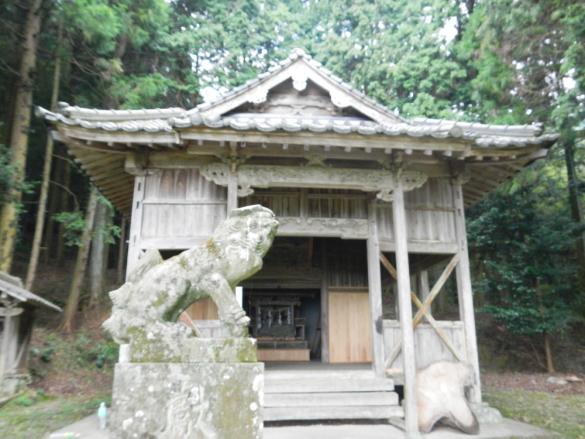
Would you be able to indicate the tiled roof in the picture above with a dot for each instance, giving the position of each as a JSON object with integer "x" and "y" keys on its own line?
{"x": 173, "y": 120}
{"x": 482, "y": 135}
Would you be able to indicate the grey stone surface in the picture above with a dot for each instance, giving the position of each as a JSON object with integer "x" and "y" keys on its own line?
{"x": 486, "y": 414}
{"x": 507, "y": 429}
{"x": 200, "y": 350}
{"x": 145, "y": 309}
{"x": 171, "y": 384}
{"x": 557, "y": 381}
{"x": 440, "y": 393}
{"x": 171, "y": 401}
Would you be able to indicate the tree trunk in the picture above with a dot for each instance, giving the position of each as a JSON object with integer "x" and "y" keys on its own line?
{"x": 550, "y": 367}
{"x": 42, "y": 208}
{"x": 54, "y": 197}
{"x": 568, "y": 139}
{"x": 63, "y": 206}
{"x": 80, "y": 265}
{"x": 97, "y": 262}
{"x": 19, "y": 133}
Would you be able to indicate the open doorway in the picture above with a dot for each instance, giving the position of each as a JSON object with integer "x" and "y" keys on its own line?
{"x": 286, "y": 323}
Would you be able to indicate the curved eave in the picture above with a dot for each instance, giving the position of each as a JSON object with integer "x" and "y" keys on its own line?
{"x": 101, "y": 147}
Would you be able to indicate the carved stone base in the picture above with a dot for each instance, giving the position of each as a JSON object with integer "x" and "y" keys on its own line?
{"x": 187, "y": 400}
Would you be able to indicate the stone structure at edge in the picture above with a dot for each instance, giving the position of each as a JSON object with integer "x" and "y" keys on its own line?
{"x": 170, "y": 383}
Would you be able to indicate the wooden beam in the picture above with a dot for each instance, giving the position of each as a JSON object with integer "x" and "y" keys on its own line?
{"x": 375, "y": 291}
{"x": 436, "y": 288}
{"x": 464, "y": 290}
{"x": 104, "y": 158}
{"x": 426, "y": 312}
{"x": 326, "y": 139}
{"x": 423, "y": 280}
{"x": 405, "y": 311}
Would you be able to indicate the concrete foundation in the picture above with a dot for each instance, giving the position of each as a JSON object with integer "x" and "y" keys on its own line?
{"x": 187, "y": 400}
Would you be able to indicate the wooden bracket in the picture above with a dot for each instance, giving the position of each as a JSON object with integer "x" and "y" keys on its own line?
{"x": 136, "y": 164}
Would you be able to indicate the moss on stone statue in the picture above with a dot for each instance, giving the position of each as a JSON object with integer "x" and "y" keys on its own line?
{"x": 212, "y": 247}
{"x": 161, "y": 299}
{"x": 150, "y": 349}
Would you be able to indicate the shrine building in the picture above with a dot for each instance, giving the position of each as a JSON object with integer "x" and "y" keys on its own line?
{"x": 368, "y": 279}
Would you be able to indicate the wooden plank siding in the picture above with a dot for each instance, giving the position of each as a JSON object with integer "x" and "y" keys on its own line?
{"x": 428, "y": 346}
{"x": 180, "y": 208}
{"x": 430, "y": 215}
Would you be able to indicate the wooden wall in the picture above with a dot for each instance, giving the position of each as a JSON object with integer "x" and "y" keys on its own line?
{"x": 427, "y": 344}
{"x": 430, "y": 215}
{"x": 179, "y": 208}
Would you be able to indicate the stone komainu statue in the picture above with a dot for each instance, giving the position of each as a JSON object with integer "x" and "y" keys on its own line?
{"x": 147, "y": 306}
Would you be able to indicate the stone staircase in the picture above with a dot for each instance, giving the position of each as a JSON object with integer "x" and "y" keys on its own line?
{"x": 328, "y": 394}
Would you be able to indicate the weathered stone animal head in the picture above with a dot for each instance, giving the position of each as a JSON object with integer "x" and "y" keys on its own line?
{"x": 244, "y": 239}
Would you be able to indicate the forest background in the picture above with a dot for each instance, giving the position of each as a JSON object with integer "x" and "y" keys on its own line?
{"x": 491, "y": 61}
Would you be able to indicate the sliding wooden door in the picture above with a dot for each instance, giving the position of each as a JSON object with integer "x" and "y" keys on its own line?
{"x": 350, "y": 336}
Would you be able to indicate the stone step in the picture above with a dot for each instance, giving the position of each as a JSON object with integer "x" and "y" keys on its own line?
{"x": 322, "y": 413}
{"x": 274, "y": 384}
{"x": 334, "y": 399}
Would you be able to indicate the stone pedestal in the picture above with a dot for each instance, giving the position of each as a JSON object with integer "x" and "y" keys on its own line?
{"x": 213, "y": 393}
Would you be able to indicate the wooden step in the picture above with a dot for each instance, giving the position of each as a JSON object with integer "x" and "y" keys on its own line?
{"x": 326, "y": 385}
{"x": 322, "y": 413}
{"x": 334, "y": 399}
{"x": 287, "y": 354}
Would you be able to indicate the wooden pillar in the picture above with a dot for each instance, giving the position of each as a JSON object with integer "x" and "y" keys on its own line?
{"x": 6, "y": 333}
{"x": 121, "y": 252}
{"x": 135, "y": 224}
{"x": 232, "y": 191}
{"x": 324, "y": 305}
{"x": 464, "y": 290}
{"x": 405, "y": 312}
{"x": 423, "y": 286}
{"x": 9, "y": 357}
{"x": 375, "y": 292}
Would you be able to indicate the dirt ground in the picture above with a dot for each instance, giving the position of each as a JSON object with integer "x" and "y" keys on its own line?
{"x": 534, "y": 382}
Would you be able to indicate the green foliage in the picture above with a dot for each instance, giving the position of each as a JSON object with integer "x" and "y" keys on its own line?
{"x": 557, "y": 412}
{"x": 97, "y": 354}
{"x": 7, "y": 182}
{"x": 30, "y": 398}
{"x": 523, "y": 52}
{"x": 394, "y": 51}
{"x": 73, "y": 223}
{"x": 82, "y": 351}
{"x": 46, "y": 415}
{"x": 523, "y": 238}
